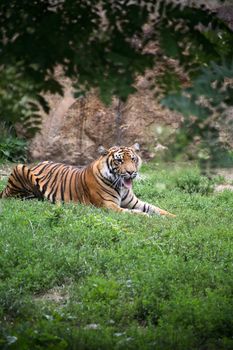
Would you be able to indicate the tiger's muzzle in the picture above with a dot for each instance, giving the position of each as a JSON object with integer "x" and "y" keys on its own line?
{"x": 127, "y": 179}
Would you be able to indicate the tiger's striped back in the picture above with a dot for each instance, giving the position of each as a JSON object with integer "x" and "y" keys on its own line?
{"x": 62, "y": 183}
{"x": 59, "y": 182}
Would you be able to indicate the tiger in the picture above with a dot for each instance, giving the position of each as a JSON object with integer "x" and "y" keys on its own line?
{"x": 106, "y": 182}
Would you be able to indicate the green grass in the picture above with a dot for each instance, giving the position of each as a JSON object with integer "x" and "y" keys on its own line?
{"x": 76, "y": 277}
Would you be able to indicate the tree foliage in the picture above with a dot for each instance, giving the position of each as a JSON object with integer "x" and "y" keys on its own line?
{"x": 102, "y": 44}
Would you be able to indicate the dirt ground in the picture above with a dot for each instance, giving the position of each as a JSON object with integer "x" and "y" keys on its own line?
{"x": 226, "y": 173}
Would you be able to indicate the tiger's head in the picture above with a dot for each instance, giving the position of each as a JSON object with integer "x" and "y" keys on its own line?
{"x": 120, "y": 164}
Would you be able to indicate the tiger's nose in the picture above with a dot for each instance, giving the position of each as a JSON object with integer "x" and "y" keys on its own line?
{"x": 131, "y": 173}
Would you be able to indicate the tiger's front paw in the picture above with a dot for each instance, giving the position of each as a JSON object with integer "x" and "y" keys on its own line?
{"x": 162, "y": 212}
{"x": 166, "y": 213}
{"x": 137, "y": 211}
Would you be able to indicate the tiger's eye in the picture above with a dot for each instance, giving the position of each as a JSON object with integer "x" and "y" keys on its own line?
{"x": 134, "y": 158}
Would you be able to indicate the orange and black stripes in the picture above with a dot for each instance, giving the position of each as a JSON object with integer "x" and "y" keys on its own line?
{"x": 107, "y": 182}
{"x": 21, "y": 183}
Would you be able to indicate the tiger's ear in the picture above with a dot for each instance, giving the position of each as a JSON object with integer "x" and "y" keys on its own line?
{"x": 102, "y": 151}
{"x": 136, "y": 147}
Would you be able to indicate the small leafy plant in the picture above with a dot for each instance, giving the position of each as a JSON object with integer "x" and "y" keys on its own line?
{"x": 13, "y": 149}
{"x": 192, "y": 182}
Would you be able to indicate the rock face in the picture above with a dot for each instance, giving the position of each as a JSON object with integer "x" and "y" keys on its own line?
{"x": 75, "y": 128}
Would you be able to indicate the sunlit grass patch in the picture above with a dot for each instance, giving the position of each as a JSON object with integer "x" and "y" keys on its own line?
{"x": 78, "y": 277}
